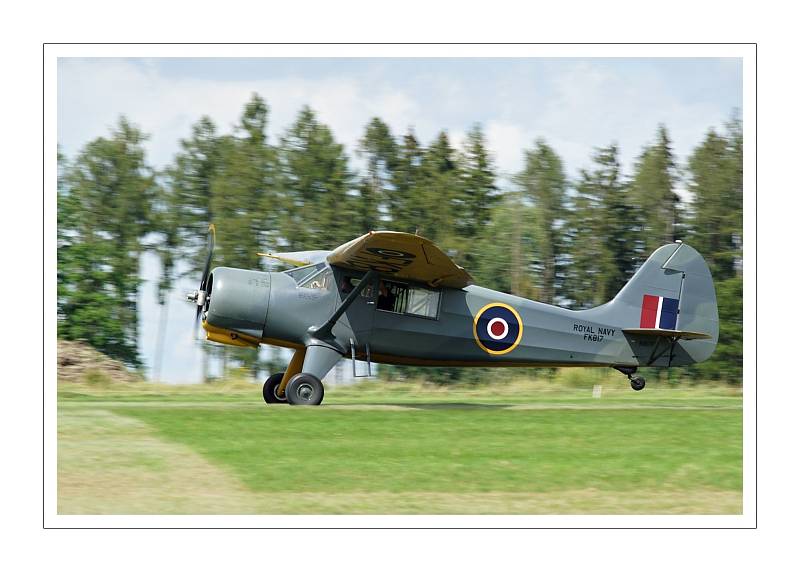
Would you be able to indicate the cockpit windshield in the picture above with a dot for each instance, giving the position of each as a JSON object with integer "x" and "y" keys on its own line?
{"x": 300, "y": 274}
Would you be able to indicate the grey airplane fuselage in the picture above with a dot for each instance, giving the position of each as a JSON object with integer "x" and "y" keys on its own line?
{"x": 550, "y": 335}
{"x": 671, "y": 294}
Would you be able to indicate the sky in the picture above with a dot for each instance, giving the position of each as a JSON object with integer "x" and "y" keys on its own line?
{"x": 575, "y": 104}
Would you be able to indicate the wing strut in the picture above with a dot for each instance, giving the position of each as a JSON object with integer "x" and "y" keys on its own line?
{"x": 324, "y": 331}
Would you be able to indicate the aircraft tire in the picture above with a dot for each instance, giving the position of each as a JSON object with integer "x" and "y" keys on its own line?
{"x": 269, "y": 391}
{"x": 304, "y": 389}
{"x": 637, "y": 383}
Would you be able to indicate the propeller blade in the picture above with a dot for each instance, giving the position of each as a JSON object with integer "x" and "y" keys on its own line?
{"x": 199, "y": 296}
{"x": 212, "y": 238}
{"x": 196, "y": 322}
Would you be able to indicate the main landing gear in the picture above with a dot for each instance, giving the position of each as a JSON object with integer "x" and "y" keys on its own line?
{"x": 301, "y": 383}
{"x": 637, "y": 381}
{"x": 270, "y": 389}
{"x": 302, "y": 389}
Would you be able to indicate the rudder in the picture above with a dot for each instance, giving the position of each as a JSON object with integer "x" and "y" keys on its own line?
{"x": 672, "y": 290}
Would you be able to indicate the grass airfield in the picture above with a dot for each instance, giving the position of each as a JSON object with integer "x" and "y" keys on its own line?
{"x": 523, "y": 447}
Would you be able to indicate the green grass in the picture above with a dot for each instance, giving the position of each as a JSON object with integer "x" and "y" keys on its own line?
{"x": 461, "y": 449}
{"x": 402, "y": 448}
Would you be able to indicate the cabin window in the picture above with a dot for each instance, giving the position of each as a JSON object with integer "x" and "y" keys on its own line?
{"x": 405, "y": 299}
{"x": 320, "y": 280}
{"x": 349, "y": 283}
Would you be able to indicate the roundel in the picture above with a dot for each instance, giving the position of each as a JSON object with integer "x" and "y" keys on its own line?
{"x": 497, "y": 328}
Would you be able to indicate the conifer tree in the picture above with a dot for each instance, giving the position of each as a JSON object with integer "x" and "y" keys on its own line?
{"x": 405, "y": 208}
{"x": 653, "y": 194}
{"x": 104, "y": 212}
{"x": 602, "y": 254}
{"x": 436, "y": 192}
{"x": 543, "y": 183}
{"x": 379, "y": 149}
{"x": 715, "y": 181}
{"x": 315, "y": 183}
{"x": 478, "y": 193}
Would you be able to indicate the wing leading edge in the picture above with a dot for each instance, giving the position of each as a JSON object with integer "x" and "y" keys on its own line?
{"x": 302, "y": 258}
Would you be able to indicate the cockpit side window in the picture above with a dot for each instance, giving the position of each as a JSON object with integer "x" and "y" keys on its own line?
{"x": 349, "y": 283}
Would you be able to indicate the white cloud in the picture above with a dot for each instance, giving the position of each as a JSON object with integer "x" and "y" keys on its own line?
{"x": 94, "y": 93}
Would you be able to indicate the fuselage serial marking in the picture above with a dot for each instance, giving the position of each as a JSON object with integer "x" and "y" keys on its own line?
{"x": 592, "y": 333}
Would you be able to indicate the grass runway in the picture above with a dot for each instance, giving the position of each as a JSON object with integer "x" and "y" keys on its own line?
{"x": 392, "y": 449}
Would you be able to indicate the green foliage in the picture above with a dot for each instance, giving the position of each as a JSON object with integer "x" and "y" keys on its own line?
{"x": 715, "y": 170}
{"x": 105, "y": 202}
{"x": 405, "y": 208}
{"x": 727, "y": 363}
{"x": 569, "y": 242}
{"x": 506, "y": 255}
{"x": 380, "y": 150}
{"x": 314, "y": 181}
{"x": 652, "y": 191}
{"x": 543, "y": 182}
{"x": 601, "y": 230}
{"x": 189, "y": 182}
{"x": 475, "y": 198}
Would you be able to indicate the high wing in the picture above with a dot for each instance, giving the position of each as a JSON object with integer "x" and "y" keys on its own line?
{"x": 301, "y": 258}
{"x": 402, "y": 255}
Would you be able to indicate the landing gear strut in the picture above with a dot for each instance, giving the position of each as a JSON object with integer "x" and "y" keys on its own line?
{"x": 637, "y": 381}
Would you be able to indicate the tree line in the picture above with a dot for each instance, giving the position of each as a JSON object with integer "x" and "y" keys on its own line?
{"x": 568, "y": 241}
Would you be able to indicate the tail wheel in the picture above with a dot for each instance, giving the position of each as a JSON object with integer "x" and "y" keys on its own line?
{"x": 305, "y": 389}
{"x": 270, "y": 389}
{"x": 637, "y": 383}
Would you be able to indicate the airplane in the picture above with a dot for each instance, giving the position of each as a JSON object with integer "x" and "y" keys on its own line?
{"x": 396, "y": 298}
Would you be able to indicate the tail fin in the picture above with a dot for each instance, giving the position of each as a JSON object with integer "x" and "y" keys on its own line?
{"x": 673, "y": 290}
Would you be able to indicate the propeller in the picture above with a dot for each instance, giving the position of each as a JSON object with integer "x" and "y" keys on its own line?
{"x": 200, "y": 296}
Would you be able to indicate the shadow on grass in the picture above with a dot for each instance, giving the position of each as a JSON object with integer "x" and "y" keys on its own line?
{"x": 436, "y": 406}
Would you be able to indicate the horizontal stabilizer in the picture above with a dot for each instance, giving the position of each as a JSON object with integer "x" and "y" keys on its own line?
{"x": 661, "y": 333}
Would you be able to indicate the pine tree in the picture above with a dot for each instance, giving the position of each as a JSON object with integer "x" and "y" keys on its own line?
{"x": 189, "y": 181}
{"x": 315, "y": 183}
{"x": 242, "y": 190}
{"x": 505, "y": 247}
{"x": 476, "y": 194}
{"x": 715, "y": 229}
{"x": 586, "y": 250}
{"x": 715, "y": 171}
{"x": 379, "y": 149}
{"x": 602, "y": 253}
{"x": 653, "y": 193}
{"x": 543, "y": 183}
{"x": 104, "y": 211}
{"x": 405, "y": 208}
{"x": 435, "y": 194}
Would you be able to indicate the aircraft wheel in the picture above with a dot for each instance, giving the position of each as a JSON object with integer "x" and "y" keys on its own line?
{"x": 304, "y": 389}
{"x": 637, "y": 383}
{"x": 270, "y": 389}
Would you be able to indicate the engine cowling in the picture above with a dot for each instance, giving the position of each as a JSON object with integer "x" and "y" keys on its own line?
{"x": 237, "y": 302}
